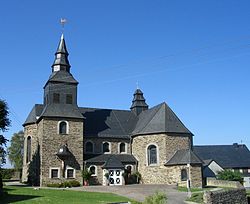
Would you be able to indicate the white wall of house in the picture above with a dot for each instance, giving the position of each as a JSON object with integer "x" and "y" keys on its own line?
{"x": 246, "y": 182}
{"x": 215, "y": 167}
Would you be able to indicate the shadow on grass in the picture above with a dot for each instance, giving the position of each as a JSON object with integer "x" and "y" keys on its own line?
{"x": 9, "y": 198}
{"x": 12, "y": 198}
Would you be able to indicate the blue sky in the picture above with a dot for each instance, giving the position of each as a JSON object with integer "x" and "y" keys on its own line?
{"x": 194, "y": 55}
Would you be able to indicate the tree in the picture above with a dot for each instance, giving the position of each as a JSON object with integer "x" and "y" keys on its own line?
{"x": 230, "y": 175}
{"x": 4, "y": 124}
{"x": 15, "y": 151}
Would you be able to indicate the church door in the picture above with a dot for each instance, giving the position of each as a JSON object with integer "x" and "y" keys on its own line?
{"x": 115, "y": 177}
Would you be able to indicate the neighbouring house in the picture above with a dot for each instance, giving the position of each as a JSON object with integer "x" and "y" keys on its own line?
{"x": 216, "y": 158}
{"x": 62, "y": 139}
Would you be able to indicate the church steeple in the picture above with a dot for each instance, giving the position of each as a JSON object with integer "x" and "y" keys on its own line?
{"x": 139, "y": 103}
{"x": 61, "y": 62}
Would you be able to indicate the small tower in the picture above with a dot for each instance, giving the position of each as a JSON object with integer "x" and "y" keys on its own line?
{"x": 61, "y": 61}
{"x": 139, "y": 103}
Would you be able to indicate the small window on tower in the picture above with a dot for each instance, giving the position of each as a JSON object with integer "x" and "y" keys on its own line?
{"x": 56, "y": 98}
{"x": 69, "y": 99}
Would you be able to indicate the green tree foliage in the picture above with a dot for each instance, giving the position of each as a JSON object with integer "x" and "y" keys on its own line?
{"x": 230, "y": 175}
{"x": 15, "y": 151}
{"x": 4, "y": 124}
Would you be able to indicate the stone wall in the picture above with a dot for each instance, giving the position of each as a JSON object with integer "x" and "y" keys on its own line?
{"x": 196, "y": 176}
{"x": 113, "y": 142}
{"x": 51, "y": 141}
{"x": 167, "y": 145}
{"x": 223, "y": 183}
{"x": 29, "y": 130}
{"x": 232, "y": 196}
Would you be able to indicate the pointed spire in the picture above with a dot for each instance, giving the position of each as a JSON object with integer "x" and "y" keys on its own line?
{"x": 61, "y": 60}
{"x": 139, "y": 103}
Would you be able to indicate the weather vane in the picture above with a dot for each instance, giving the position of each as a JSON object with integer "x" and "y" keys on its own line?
{"x": 62, "y": 22}
{"x": 137, "y": 85}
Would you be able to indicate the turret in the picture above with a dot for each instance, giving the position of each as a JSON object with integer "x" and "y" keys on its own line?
{"x": 139, "y": 103}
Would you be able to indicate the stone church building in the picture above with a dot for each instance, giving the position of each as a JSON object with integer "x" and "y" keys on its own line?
{"x": 62, "y": 139}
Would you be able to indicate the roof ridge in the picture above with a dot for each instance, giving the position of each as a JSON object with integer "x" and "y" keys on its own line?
{"x": 160, "y": 105}
{"x": 119, "y": 123}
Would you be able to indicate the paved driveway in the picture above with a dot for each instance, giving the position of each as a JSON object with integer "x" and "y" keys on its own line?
{"x": 139, "y": 192}
{"x": 136, "y": 192}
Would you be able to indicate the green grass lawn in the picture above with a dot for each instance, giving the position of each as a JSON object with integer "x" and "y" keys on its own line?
{"x": 29, "y": 195}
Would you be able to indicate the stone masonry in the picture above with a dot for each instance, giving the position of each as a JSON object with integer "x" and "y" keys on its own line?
{"x": 167, "y": 146}
{"x": 50, "y": 144}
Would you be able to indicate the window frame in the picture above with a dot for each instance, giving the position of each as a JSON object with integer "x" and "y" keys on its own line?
{"x": 67, "y": 127}
{"x": 148, "y": 156}
{"x": 69, "y": 99}
{"x": 50, "y": 172}
{"x": 184, "y": 177}
{"x": 109, "y": 152}
{"x": 28, "y": 149}
{"x": 66, "y": 173}
{"x": 95, "y": 174}
{"x": 119, "y": 148}
{"x": 56, "y": 98}
{"x": 89, "y": 141}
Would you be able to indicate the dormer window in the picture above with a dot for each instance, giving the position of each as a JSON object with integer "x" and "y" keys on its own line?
{"x": 63, "y": 127}
{"x": 56, "y": 98}
{"x": 69, "y": 99}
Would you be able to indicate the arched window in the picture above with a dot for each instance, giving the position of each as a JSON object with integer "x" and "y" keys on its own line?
{"x": 105, "y": 147}
{"x": 93, "y": 170}
{"x": 129, "y": 169}
{"x": 122, "y": 148}
{"x": 89, "y": 147}
{"x": 183, "y": 174}
{"x": 28, "y": 153}
{"x": 63, "y": 127}
{"x": 152, "y": 154}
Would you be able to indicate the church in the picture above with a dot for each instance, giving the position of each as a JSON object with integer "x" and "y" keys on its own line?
{"x": 62, "y": 139}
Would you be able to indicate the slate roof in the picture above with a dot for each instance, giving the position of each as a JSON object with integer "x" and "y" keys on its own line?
{"x": 34, "y": 113}
{"x": 113, "y": 162}
{"x": 102, "y": 158}
{"x": 62, "y": 76}
{"x": 159, "y": 119}
{"x": 139, "y": 100}
{"x": 184, "y": 156}
{"x": 108, "y": 122}
{"x": 61, "y": 54}
{"x": 62, "y": 110}
{"x": 227, "y": 156}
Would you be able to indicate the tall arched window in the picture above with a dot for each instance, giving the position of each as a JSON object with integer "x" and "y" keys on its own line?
{"x": 105, "y": 147}
{"x": 152, "y": 154}
{"x": 89, "y": 147}
{"x": 28, "y": 153}
{"x": 122, "y": 148}
{"x": 183, "y": 174}
{"x": 63, "y": 127}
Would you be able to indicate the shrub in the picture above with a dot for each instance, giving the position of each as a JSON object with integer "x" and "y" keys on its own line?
{"x": 156, "y": 198}
{"x": 74, "y": 183}
{"x": 54, "y": 185}
{"x": 86, "y": 175}
{"x": 230, "y": 176}
{"x": 65, "y": 184}
{"x": 7, "y": 173}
